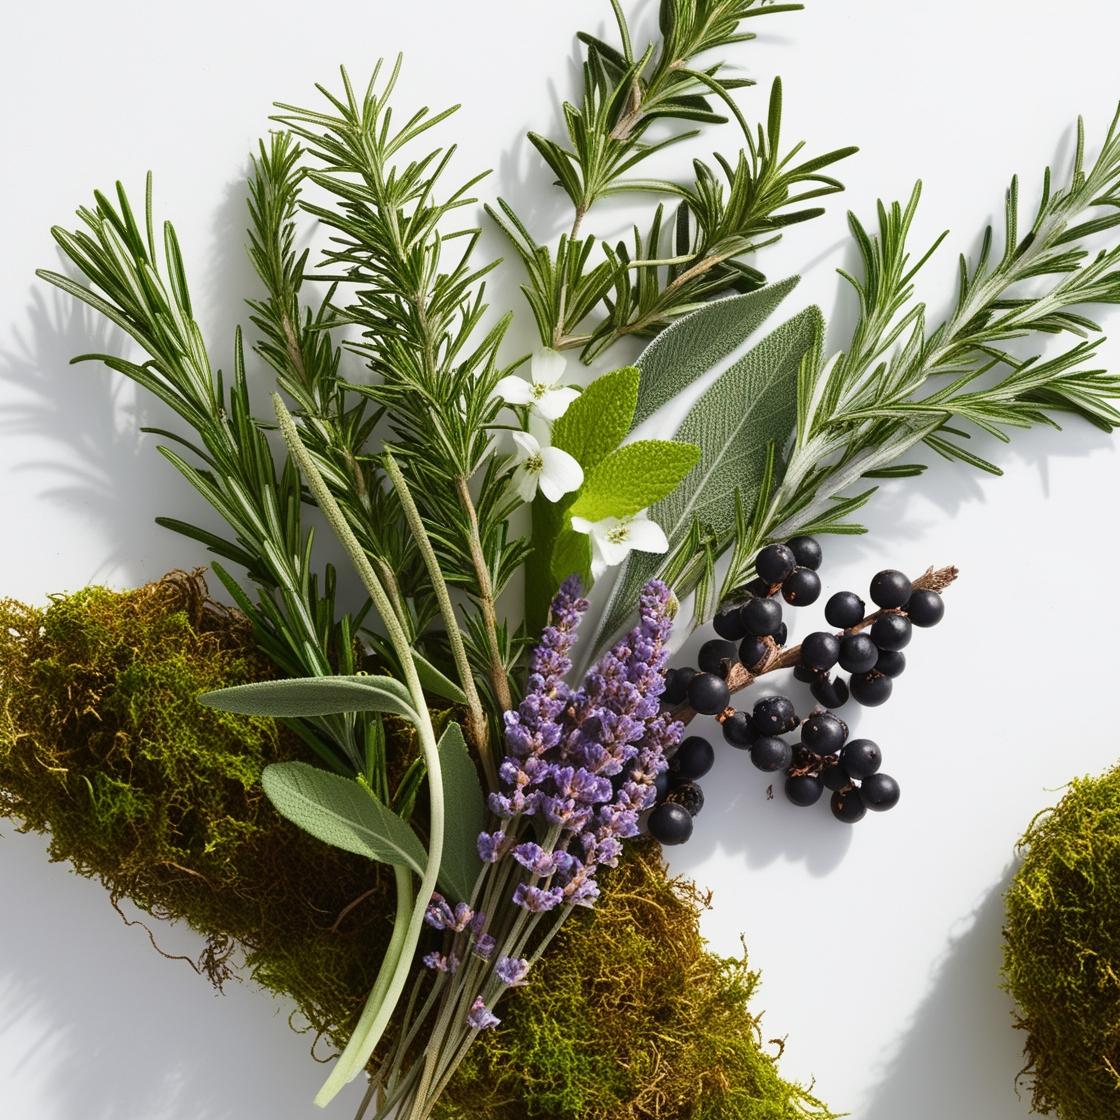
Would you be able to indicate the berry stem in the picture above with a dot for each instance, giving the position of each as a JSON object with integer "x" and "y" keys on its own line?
{"x": 740, "y": 677}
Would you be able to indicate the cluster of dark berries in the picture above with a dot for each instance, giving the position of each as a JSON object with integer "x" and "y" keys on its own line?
{"x": 751, "y": 631}
{"x": 873, "y": 658}
{"x": 752, "y": 634}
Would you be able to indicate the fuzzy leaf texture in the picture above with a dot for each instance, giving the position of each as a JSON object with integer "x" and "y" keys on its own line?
{"x": 692, "y": 346}
{"x": 747, "y": 409}
{"x": 600, "y": 418}
{"x": 343, "y": 813}
{"x": 634, "y": 477}
{"x": 466, "y": 816}
{"x": 314, "y": 696}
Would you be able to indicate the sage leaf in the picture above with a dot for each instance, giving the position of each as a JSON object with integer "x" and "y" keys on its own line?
{"x": 465, "y": 816}
{"x": 634, "y": 477}
{"x": 436, "y": 682}
{"x": 314, "y": 696}
{"x": 343, "y": 813}
{"x": 571, "y": 557}
{"x": 752, "y": 405}
{"x": 690, "y": 347}
{"x": 598, "y": 420}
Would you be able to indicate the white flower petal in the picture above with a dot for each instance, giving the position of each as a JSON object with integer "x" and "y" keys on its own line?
{"x": 527, "y": 445}
{"x": 598, "y": 564}
{"x": 561, "y": 474}
{"x": 582, "y": 525}
{"x": 647, "y": 536}
{"x": 514, "y": 390}
{"x": 547, "y": 367}
{"x": 525, "y": 483}
{"x": 613, "y": 551}
{"x": 554, "y": 403}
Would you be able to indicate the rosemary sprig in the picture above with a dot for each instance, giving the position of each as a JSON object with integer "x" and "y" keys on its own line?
{"x": 725, "y": 214}
{"x": 294, "y": 614}
{"x": 897, "y": 385}
{"x": 418, "y": 313}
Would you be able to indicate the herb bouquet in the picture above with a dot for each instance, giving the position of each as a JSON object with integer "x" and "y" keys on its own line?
{"x": 541, "y": 742}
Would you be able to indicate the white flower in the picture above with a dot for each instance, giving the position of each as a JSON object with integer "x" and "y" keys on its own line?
{"x": 613, "y": 538}
{"x": 553, "y": 470}
{"x": 543, "y": 391}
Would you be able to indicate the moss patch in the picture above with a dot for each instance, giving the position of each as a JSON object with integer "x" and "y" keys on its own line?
{"x": 103, "y": 746}
{"x": 629, "y": 1016}
{"x": 1062, "y": 951}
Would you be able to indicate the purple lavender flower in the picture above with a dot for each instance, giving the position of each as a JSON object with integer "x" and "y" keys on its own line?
{"x": 441, "y": 963}
{"x": 490, "y": 846}
{"x": 512, "y": 971}
{"x": 535, "y": 859}
{"x": 439, "y": 914}
{"x": 537, "y": 900}
{"x": 480, "y": 1017}
{"x": 484, "y": 946}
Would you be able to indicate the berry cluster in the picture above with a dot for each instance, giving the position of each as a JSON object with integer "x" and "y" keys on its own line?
{"x": 751, "y": 641}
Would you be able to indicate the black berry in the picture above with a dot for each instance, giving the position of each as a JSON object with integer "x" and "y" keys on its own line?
{"x": 831, "y": 692}
{"x": 728, "y": 623}
{"x": 804, "y": 789}
{"x": 801, "y": 587}
{"x": 824, "y": 733}
{"x": 708, "y": 694}
{"x": 771, "y": 754}
{"x": 775, "y": 562}
{"x": 761, "y": 617}
{"x": 892, "y": 631}
{"x": 844, "y": 610}
{"x": 689, "y": 796}
{"x": 925, "y": 608}
{"x": 676, "y": 685}
{"x": 858, "y": 653}
{"x": 820, "y": 650}
{"x": 891, "y": 663}
{"x": 694, "y": 758}
{"x": 890, "y": 589}
{"x": 661, "y": 784}
{"x": 717, "y": 656}
{"x": 871, "y": 689}
{"x": 781, "y": 634}
{"x": 758, "y": 587}
{"x": 739, "y": 731}
{"x": 774, "y": 715}
{"x": 847, "y": 806}
{"x": 834, "y": 777}
{"x": 806, "y": 551}
{"x": 860, "y": 758}
{"x": 880, "y": 792}
{"x": 669, "y": 823}
{"x": 806, "y": 675}
{"x": 753, "y": 650}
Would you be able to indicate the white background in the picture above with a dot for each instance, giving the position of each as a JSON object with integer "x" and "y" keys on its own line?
{"x": 879, "y": 945}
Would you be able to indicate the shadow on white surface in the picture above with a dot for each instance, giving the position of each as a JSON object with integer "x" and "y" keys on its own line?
{"x": 102, "y": 1027}
{"x": 960, "y": 1055}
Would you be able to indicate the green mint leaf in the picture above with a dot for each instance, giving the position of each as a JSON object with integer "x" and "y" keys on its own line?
{"x": 314, "y": 696}
{"x": 598, "y": 420}
{"x": 343, "y": 813}
{"x": 692, "y": 345}
{"x": 634, "y": 477}
{"x": 464, "y": 819}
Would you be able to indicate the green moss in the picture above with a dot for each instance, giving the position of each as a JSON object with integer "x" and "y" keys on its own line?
{"x": 629, "y": 1016}
{"x": 103, "y": 745}
{"x": 1062, "y": 951}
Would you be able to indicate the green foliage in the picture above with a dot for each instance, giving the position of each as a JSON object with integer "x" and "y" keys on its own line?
{"x": 343, "y": 813}
{"x": 600, "y": 418}
{"x": 315, "y": 696}
{"x": 635, "y": 476}
{"x": 466, "y": 816}
{"x": 722, "y": 216}
{"x": 103, "y": 745}
{"x": 578, "y": 1041}
{"x": 1061, "y": 960}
